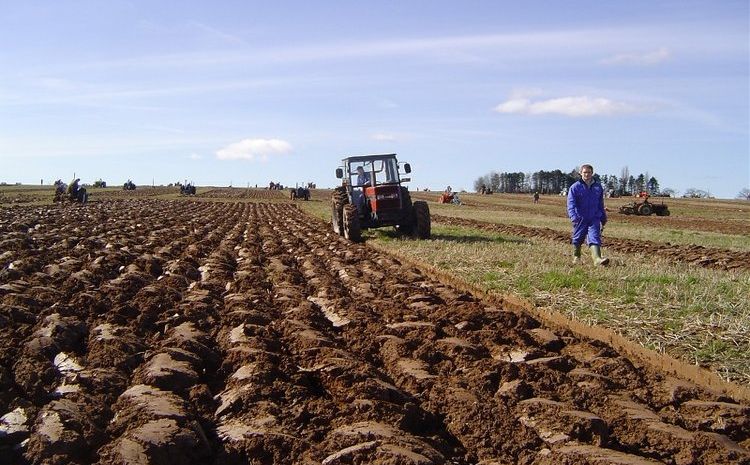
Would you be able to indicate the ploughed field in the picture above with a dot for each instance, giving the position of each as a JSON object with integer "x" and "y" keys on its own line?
{"x": 182, "y": 332}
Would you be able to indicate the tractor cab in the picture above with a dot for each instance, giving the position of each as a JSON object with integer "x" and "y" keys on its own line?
{"x": 373, "y": 185}
{"x": 369, "y": 171}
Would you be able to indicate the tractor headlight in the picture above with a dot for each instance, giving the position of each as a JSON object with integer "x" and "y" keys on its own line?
{"x": 386, "y": 196}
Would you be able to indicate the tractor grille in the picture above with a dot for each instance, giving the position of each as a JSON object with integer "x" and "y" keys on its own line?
{"x": 385, "y": 202}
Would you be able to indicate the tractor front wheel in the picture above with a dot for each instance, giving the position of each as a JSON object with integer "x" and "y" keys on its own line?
{"x": 352, "y": 228}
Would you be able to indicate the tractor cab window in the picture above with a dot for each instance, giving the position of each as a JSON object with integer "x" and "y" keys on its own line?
{"x": 391, "y": 171}
{"x": 373, "y": 172}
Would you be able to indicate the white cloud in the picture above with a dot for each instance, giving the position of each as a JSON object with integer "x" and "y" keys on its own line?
{"x": 643, "y": 58}
{"x": 254, "y": 149}
{"x": 568, "y": 106}
{"x": 384, "y": 137}
{"x": 195, "y": 156}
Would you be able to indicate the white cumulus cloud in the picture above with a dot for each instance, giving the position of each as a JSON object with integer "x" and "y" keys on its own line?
{"x": 567, "y": 106}
{"x": 254, "y": 149}
{"x": 642, "y": 58}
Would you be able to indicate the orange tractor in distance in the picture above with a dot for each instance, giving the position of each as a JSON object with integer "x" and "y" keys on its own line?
{"x": 371, "y": 195}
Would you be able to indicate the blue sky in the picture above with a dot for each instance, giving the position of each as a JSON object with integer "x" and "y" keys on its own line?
{"x": 245, "y": 92}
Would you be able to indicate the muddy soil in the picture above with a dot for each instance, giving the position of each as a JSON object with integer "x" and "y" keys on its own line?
{"x": 181, "y": 332}
{"x": 707, "y": 257}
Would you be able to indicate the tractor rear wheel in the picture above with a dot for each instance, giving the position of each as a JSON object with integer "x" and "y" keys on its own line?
{"x": 422, "y": 225}
{"x": 406, "y": 226}
{"x": 352, "y": 228}
{"x": 645, "y": 209}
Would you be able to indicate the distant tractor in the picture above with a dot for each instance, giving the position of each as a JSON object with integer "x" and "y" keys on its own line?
{"x": 71, "y": 193}
{"x": 371, "y": 196}
{"x": 129, "y": 186}
{"x": 449, "y": 197}
{"x": 299, "y": 193}
{"x": 187, "y": 189}
{"x": 644, "y": 208}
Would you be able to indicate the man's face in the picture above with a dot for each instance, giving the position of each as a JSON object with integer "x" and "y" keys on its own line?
{"x": 587, "y": 174}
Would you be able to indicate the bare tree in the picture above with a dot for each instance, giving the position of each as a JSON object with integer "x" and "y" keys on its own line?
{"x": 744, "y": 194}
{"x": 669, "y": 192}
{"x": 624, "y": 178}
{"x": 693, "y": 193}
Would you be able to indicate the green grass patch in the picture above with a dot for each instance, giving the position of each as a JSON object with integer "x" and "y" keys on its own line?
{"x": 555, "y": 280}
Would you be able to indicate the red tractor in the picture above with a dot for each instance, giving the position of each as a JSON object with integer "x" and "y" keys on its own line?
{"x": 371, "y": 196}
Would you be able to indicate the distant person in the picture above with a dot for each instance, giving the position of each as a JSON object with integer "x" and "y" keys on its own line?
{"x": 73, "y": 188}
{"x": 586, "y": 212}
{"x": 536, "y": 197}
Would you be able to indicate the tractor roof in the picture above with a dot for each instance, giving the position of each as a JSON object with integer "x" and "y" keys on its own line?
{"x": 369, "y": 157}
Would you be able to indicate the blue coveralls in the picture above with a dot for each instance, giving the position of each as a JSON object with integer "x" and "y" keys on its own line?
{"x": 586, "y": 212}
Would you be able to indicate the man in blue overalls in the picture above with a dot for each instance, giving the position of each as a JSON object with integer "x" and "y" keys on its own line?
{"x": 586, "y": 212}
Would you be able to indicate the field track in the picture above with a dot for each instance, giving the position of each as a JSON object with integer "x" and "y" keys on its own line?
{"x": 180, "y": 332}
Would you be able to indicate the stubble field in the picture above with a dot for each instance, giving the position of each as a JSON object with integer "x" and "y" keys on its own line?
{"x": 233, "y": 327}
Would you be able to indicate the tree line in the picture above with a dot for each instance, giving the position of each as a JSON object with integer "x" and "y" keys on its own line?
{"x": 555, "y": 182}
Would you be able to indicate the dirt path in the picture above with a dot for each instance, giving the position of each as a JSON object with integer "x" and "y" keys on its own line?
{"x": 722, "y": 259}
{"x": 157, "y": 332}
